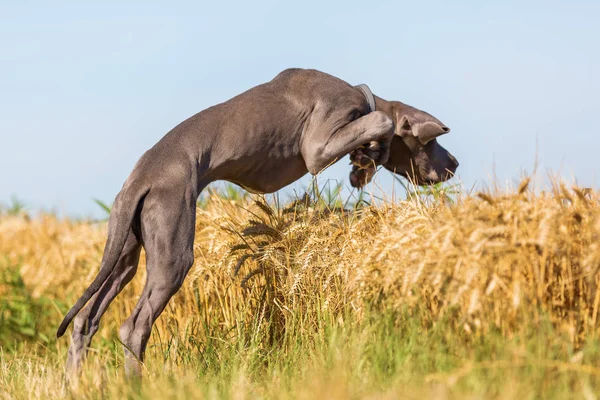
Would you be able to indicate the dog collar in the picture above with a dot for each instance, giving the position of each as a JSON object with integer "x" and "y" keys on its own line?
{"x": 368, "y": 95}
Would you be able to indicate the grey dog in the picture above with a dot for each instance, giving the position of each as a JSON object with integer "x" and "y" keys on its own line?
{"x": 263, "y": 139}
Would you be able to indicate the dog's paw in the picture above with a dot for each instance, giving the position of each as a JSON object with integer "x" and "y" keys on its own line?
{"x": 361, "y": 158}
{"x": 374, "y": 153}
{"x": 359, "y": 177}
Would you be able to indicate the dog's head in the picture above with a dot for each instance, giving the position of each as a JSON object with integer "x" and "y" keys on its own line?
{"x": 415, "y": 152}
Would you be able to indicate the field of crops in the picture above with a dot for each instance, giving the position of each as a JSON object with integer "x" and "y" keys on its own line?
{"x": 485, "y": 295}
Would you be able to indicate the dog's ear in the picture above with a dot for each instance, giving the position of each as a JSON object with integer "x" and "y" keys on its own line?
{"x": 420, "y": 126}
{"x": 427, "y": 131}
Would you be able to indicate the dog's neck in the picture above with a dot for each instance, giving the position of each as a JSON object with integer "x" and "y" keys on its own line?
{"x": 393, "y": 109}
{"x": 386, "y": 106}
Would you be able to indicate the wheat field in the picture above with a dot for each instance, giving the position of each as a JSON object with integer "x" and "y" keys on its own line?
{"x": 487, "y": 295}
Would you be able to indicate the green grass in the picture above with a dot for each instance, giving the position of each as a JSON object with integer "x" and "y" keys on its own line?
{"x": 386, "y": 354}
{"x": 16, "y": 207}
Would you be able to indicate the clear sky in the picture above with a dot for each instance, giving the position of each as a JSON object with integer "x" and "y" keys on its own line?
{"x": 87, "y": 87}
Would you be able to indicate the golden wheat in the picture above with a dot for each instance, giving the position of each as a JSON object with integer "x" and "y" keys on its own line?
{"x": 492, "y": 262}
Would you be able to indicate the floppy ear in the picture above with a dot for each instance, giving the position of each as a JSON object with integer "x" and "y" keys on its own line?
{"x": 427, "y": 131}
{"x": 416, "y": 127}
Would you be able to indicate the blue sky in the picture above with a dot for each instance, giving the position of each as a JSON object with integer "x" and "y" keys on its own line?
{"x": 86, "y": 88}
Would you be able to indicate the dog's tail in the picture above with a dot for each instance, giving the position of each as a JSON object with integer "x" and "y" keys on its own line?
{"x": 121, "y": 217}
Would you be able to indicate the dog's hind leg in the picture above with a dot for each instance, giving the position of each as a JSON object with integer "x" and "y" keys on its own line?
{"x": 168, "y": 227}
{"x": 86, "y": 323}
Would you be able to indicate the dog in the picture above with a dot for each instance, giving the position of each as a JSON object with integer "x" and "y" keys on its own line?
{"x": 262, "y": 140}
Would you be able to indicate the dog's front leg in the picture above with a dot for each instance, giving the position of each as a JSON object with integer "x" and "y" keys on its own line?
{"x": 322, "y": 147}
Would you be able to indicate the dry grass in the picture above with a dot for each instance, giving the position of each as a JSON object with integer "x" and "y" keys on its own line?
{"x": 488, "y": 264}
